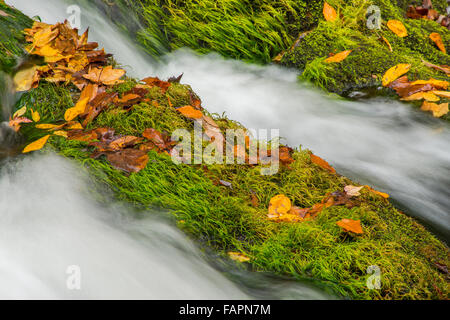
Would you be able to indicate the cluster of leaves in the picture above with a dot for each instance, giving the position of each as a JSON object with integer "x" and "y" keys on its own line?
{"x": 426, "y": 11}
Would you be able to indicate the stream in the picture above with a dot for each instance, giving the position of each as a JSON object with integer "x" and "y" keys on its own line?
{"x": 384, "y": 143}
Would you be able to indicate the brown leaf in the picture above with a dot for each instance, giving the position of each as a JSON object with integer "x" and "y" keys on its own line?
{"x": 349, "y": 225}
{"x": 190, "y": 112}
{"x": 285, "y": 155}
{"x": 128, "y": 160}
{"x": 443, "y": 68}
{"x": 157, "y": 139}
{"x": 152, "y": 82}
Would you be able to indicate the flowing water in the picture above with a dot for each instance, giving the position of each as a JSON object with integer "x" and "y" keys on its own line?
{"x": 380, "y": 142}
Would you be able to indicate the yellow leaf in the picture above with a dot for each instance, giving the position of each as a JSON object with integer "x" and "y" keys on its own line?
{"x": 436, "y": 83}
{"x": 37, "y": 145}
{"x": 35, "y": 116}
{"x": 328, "y": 12}
{"x": 426, "y": 95}
{"x": 46, "y": 126}
{"x": 438, "y": 110}
{"x": 397, "y": 27}
{"x": 443, "y": 94}
{"x": 436, "y": 37}
{"x": 279, "y": 205}
{"x": 190, "y": 112}
{"x": 61, "y": 133}
{"x": 20, "y": 112}
{"x": 24, "y": 79}
{"x": 75, "y": 126}
{"x": 46, "y": 51}
{"x": 382, "y": 194}
{"x": 237, "y": 256}
{"x": 387, "y": 42}
{"x": 395, "y": 72}
{"x": 338, "y": 57}
{"x": 75, "y": 111}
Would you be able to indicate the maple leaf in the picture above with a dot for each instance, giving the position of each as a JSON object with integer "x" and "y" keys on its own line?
{"x": 395, "y": 72}
{"x": 15, "y": 123}
{"x": 397, "y": 27}
{"x": 349, "y": 225}
{"x": 328, "y": 12}
{"x": 338, "y": 57}
{"x": 36, "y": 145}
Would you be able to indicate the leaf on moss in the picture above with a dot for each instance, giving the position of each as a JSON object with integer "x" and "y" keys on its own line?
{"x": 349, "y": 225}
{"x": 237, "y": 256}
{"x": 387, "y": 43}
{"x": 381, "y": 194}
{"x": 352, "y": 191}
{"x": 397, "y": 27}
{"x": 26, "y": 79}
{"x": 279, "y": 205}
{"x": 76, "y": 110}
{"x": 322, "y": 163}
{"x": 425, "y": 95}
{"x": 395, "y": 72}
{"x": 338, "y": 57}
{"x": 190, "y": 112}
{"x": 436, "y": 37}
{"x": 35, "y": 115}
{"x": 36, "y": 145}
{"x": 329, "y": 13}
{"x": 438, "y": 84}
{"x": 20, "y": 112}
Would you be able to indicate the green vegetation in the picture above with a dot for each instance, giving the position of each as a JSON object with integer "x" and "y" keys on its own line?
{"x": 226, "y": 219}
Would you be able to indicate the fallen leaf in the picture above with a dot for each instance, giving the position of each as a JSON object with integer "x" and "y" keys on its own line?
{"x": 426, "y": 95}
{"x": 46, "y": 126}
{"x": 439, "y": 84}
{"x": 35, "y": 116}
{"x": 285, "y": 155}
{"x": 128, "y": 160}
{"x": 352, "y": 191}
{"x": 436, "y": 37}
{"x": 387, "y": 42}
{"x": 397, "y": 27}
{"x": 443, "y": 68}
{"x": 381, "y": 194}
{"x": 237, "y": 256}
{"x": 338, "y": 57}
{"x": 155, "y": 82}
{"x": 106, "y": 75}
{"x": 36, "y": 145}
{"x": 76, "y": 110}
{"x": 122, "y": 142}
{"x": 279, "y": 205}
{"x": 15, "y": 123}
{"x": 329, "y": 13}
{"x": 20, "y": 112}
{"x": 25, "y": 79}
{"x": 395, "y": 72}
{"x": 322, "y": 163}
{"x": 438, "y": 110}
{"x": 349, "y": 225}
{"x": 190, "y": 112}
{"x": 60, "y": 133}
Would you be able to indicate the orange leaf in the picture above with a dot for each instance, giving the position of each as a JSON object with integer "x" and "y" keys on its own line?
{"x": 381, "y": 194}
{"x": 338, "y": 57}
{"x": 322, "y": 163}
{"x": 395, "y": 72}
{"x": 438, "y": 110}
{"x": 190, "y": 112}
{"x": 443, "y": 94}
{"x": 436, "y": 37}
{"x": 426, "y": 95}
{"x": 328, "y": 12}
{"x": 36, "y": 145}
{"x": 279, "y": 205}
{"x": 398, "y": 28}
{"x": 75, "y": 111}
{"x": 387, "y": 42}
{"x": 237, "y": 256}
{"x": 350, "y": 225}
{"x": 441, "y": 84}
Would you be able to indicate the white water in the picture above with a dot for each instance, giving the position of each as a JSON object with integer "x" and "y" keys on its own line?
{"x": 387, "y": 144}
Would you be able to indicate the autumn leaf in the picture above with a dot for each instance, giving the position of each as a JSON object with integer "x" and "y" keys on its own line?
{"x": 35, "y": 116}
{"x": 322, "y": 163}
{"x": 381, "y": 194}
{"x": 128, "y": 160}
{"x": 26, "y": 79}
{"x": 349, "y": 225}
{"x": 387, "y": 42}
{"x": 155, "y": 82}
{"x": 443, "y": 68}
{"x": 106, "y": 75}
{"x": 75, "y": 126}
{"x": 329, "y": 13}
{"x": 237, "y": 256}
{"x": 46, "y": 126}
{"x": 75, "y": 111}
{"x": 285, "y": 155}
{"x": 60, "y": 133}
{"x": 426, "y": 95}
{"x": 352, "y": 191}
{"x": 397, "y": 27}
{"x": 190, "y": 112}
{"x": 20, "y": 112}
{"x": 279, "y": 205}
{"x": 438, "y": 110}
{"x": 338, "y": 57}
{"x": 436, "y": 37}
{"x": 443, "y": 94}
{"x": 15, "y": 123}
{"x": 36, "y": 145}
{"x": 395, "y": 72}
{"x": 439, "y": 84}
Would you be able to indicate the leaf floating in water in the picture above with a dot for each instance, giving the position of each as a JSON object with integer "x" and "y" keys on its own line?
{"x": 349, "y": 225}
{"x": 36, "y": 145}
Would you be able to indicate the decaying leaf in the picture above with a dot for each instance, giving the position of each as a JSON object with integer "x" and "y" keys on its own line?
{"x": 352, "y": 191}
{"x": 190, "y": 112}
{"x": 338, "y": 57}
{"x": 436, "y": 37}
{"x": 128, "y": 160}
{"x": 237, "y": 256}
{"x": 438, "y": 110}
{"x": 322, "y": 163}
{"x": 329, "y": 13}
{"x": 26, "y": 79}
{"x": 36, "y": 145}
{"x": 397, "y": 27}
{"x": 349, "y": 225}
{"x": 395, "y": 72}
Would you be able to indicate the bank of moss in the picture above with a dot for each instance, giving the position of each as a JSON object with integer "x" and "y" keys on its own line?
{"x": 225, "y": 218}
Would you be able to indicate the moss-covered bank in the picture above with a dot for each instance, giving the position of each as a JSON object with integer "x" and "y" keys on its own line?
{"x": 226, "y": 219}
{"x": 257, "y": 31}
